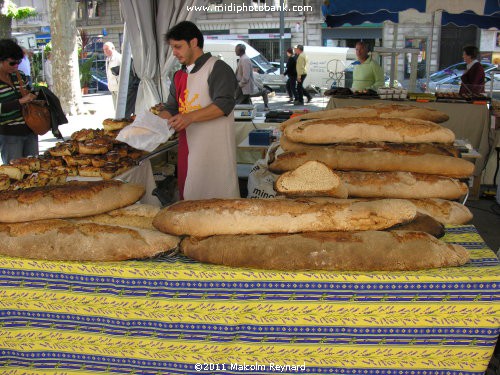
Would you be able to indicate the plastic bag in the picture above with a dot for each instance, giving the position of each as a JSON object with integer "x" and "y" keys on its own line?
{"x": 261, "y": 180}
{"x": 147, "y": 132}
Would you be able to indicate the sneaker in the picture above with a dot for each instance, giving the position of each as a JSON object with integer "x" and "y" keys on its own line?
{"x": 309, "y": 99}
{"x": 266, "y": 109}
{"x": 298, "y": 102}
{"x": 290, "y": 100}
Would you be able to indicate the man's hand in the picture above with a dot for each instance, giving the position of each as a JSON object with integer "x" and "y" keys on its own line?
{"x": 180, "y": 121}
{"x": 299, "y": 79}
{"x": 27, "y": 98}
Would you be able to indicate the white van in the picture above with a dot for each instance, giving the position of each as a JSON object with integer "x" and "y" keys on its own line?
{"x": 224, "y": 49}
{"x": 327, "y": 65}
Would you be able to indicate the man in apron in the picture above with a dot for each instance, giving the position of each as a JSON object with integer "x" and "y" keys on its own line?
{"x": 200, "y": 108}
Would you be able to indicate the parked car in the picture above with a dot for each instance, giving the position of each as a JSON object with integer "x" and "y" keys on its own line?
{"x": 447, "y": 75}
{"x": 452, "y": 84}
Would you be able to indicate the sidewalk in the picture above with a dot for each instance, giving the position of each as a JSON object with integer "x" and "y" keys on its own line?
{"x": 101, "y": 105}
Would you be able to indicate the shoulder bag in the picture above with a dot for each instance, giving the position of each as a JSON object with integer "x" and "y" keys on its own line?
{"x": 36, "y": 113}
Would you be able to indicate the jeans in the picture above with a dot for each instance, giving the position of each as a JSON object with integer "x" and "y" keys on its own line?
{"x": 18, "y": 146}
{"x": 291, "y": 88}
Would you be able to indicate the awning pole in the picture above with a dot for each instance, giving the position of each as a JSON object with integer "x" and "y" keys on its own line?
{"x": 429, "y": 55}
{"x": 121, "y": 101}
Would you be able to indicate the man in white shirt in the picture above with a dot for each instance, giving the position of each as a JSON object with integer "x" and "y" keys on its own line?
{"x": 113, "y": 60}
{"x": 25, "y": 65}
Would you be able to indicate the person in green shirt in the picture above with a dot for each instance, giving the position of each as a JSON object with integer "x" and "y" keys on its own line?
{"x": 367, "y": 74}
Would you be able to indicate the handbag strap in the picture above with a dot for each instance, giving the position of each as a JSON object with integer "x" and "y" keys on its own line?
{"x": 21, "y": 86}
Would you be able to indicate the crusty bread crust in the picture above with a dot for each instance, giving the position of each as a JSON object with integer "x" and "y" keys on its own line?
{"x": 65, "y": 240}
{"x": 401, "y": 185}
{"x": 332, "y": 251}
{"x": 75, "y": 199}
{"x": 377, "y": 110}
{"x": 361, "y": 129}
{"x": 374, "y": 160}
{"x": 251, "y": 216}
{"x": 444, "y": 211}
{"x": 136, "y": 215}
{"x": 422, "y": 148}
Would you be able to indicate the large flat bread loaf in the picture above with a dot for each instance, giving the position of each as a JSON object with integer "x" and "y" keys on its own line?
{"x": 371, "y": 111}
{"x": 136, "y": 215}
{"x": 363, "y": 129}
{"x": 332, "y": 251}
{"x": 422, "y": 223}
{"x": 444, "y": 211}
{"x": 375, "y": 160}
{"x": 74, "y": 199}
{"x": 253, "y": 216}
{"x": 401, "y": 185}
{"x": 65, "y": 240}
{"x": 313, "y": 178}
{"x": 421, "y": 148}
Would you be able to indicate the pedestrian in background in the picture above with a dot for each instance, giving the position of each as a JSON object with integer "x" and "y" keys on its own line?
{"x": 244, "y": 76}
{"x": 47, "y": 69}
{"x": 113, "y": 63}
{"x": 474, "y": 78}
{"x": 291, "y": 73}
{"x": 302, "y": 67}
{"x": 25, "y": 65}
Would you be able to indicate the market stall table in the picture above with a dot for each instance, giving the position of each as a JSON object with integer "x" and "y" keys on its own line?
{"x": 174, "y": 316}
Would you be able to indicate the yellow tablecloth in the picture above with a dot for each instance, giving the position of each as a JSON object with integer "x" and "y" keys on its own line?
{"x": 167, "y": 315}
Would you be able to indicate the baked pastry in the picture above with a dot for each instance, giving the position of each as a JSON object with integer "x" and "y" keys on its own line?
{"x": 89, "y": 171}
{"x": 136, "y": 215}
{"x": 13, "y": 172}
{"x": 28, "y": 165}
{"x": 98, "y": 161}
{"x": 332, "y": 251}
{"x": 401, "y": 185}
{"x": 94, "y": 146}
{"x": 210, "y": 217}
{"x": 64, "y": 148}
{"x": 73, "y": 199}
{"x": 110, "y": 124}
{"x": 109, "y": 171}
{"x": 353, "y": 159}
{"x": 4, "y": 181}
{"x": 86, "y": 134}
{"x": 79, "y": 241}
{"x": 398, "y": 130}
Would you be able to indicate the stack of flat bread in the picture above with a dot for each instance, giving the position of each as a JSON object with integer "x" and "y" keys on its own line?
{"x": 306, "y": 234}
{"x": 374, "y": 154}
{"x": 84, "y": 221}
{"x": 381, "y": 151}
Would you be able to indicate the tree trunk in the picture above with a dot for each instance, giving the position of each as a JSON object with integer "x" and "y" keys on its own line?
{"x": 65, "y": 56}
{"x": 5, "y": 22}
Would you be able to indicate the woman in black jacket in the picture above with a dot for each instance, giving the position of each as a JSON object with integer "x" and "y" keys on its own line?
{"x": 291, "y": 72}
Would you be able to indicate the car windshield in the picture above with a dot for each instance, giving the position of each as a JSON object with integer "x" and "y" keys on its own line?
{"x": 264, "y": 64}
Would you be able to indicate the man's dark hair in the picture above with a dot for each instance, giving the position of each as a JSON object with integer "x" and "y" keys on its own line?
{"x": 185, "y": 30}
{"x": 471, "y": 51}
{"x": 300, "y": 46}
{"x": 364, "y": 44}
{"x": 9, "y": 49}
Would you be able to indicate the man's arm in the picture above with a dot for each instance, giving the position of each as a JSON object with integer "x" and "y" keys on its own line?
{"x": 171, "y": 108}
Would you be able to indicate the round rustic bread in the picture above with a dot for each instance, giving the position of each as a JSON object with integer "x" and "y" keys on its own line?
{"x": 251, "y": 216}
{"x": 64, "y": 240}
{"x": 331, "y": 251}
{"x": 74, "y": 199}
